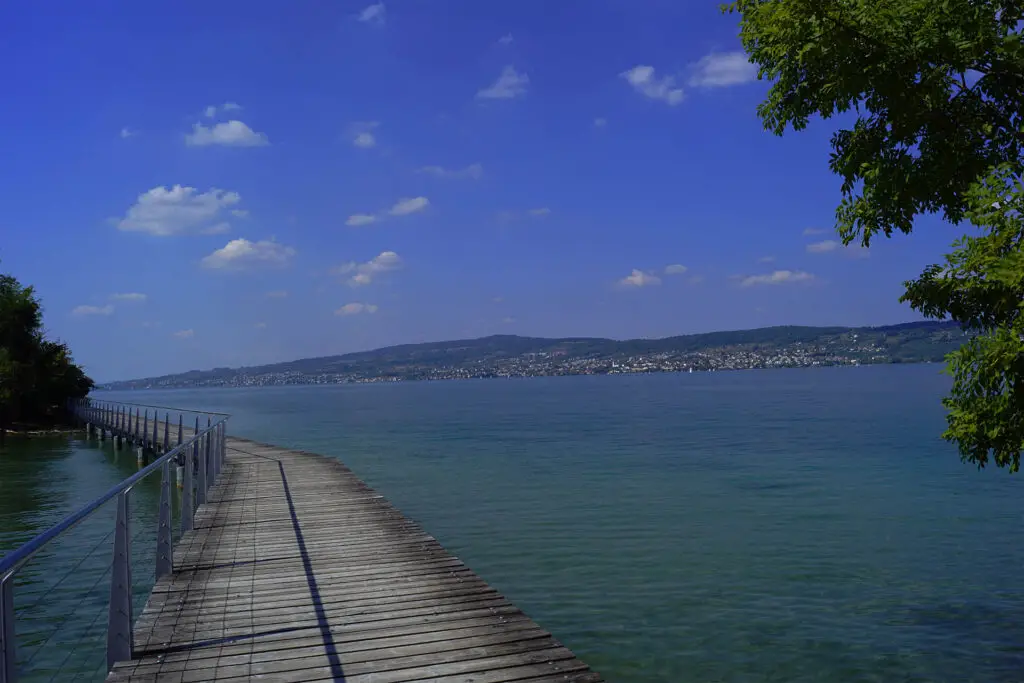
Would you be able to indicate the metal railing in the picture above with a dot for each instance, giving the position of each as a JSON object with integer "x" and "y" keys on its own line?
{"x": 198, "y": 455}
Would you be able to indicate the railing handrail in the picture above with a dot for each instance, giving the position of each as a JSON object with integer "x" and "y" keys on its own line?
{"x": 167, "y": 408}
{"x": 13, "y": 560}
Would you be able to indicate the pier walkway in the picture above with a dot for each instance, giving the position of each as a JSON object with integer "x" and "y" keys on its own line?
{"x": 295, "y": 570}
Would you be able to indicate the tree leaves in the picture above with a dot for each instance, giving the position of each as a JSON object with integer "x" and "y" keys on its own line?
{"x": 938, "y": 89}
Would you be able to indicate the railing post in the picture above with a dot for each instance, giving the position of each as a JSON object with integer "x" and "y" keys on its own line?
{"x": 186, "y": 492}
{"x": 181, "y": 422}
{"x": 145, "y": 427}
{"x": 203, "y": 456}
{"x": 137, "y": 425}
{"x": 164, "y": 548}
{"x": 119, "y": 623}
{"x": 8, "y": 648}
{"x": 156, "y": 435}
{"x": 167, "y": 432}
{"x": 196, "y": 464}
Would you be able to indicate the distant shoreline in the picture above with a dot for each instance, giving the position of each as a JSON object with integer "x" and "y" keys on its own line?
{"x": 398, "y": 380}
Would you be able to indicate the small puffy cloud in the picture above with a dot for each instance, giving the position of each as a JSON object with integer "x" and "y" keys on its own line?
{"x": 675, "y": 269}
{"x": 639, "y": 278}
{"x": 277, "y": 294}
{"x": 240, "y": 254}
{"x": 814, "y": 231}
{"x": 505, "y": 39}
{"x": 184, "y": 334}
{"x": 364, "y": 273}
{"x": 541, "y": 211}
{"x": 404, "y": 207}
{"x": 777, "y": 277}
{"x": 128, "y": 133}
{"x": 824, "y": 246}
{"x": 355, "y": 309}
{"x": 508, "y": 320}
{"x": 166, "y": 211}
{"x": 766, "y": 259}
{"x": 364, "y": 140}
{"x": 510, "y": 84}
{"x": 358, "y": 219}
{"x": 85, "y": 311}
{"x": 240, "y": 213}
{"x": 232, "y": 133}
{"x": 212, "y": 110}
{"x": 361, "y": 133}
{"x": 260, "y": 326}
{"x": 473, "y": 171}
{"x": 216, "y": 229}
{"x": 375, "y": 14}
{"x": 645, "y": 81}
{"x": 129, "y": 296}
{"x": 722, "y": 69}
{"x": 600, "y": 122}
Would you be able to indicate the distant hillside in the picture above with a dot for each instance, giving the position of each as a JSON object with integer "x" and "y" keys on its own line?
{"x": 514, "y": 356}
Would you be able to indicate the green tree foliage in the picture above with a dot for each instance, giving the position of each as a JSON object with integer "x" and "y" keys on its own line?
{"x": 935, "y": 93}
{"x": 37, "y": 376}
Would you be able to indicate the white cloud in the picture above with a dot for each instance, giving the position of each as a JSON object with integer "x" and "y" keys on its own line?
{"x": 260, "y": 326}
{"x": 83, "y": 311}
{"x": 777, "y": 277}
{"x": 364, "y": 273}
{"x": 405, "y": 206}
{"x": 718, "y": 70}
{"x": 210, "y": 112}
{"x": 172, "y": 211}
{"x": 361, "y": 133}
{"x": 278, "y": 294}
{"x": 375, "y": 14}
{"x": 364, "y": 140}
{"x": 184, "y": 334}
{"x": 505, "y": 39}
{"x": 814, "y": 231}
{"x": 241, "y": 253}
{"x": 824, "y": 246}
{"x": 675, "y": 269}
{"x": 542, "y": 211}
{"x": 232, "y": 133}
{"x": 645, "y": 82}
{"x": 600, "y": 122}
{"x": 474, "y": 171}
{"x": 508, "y": 320}
{"x": 766, "y": 259}
{"x": 639, "y": 278}
{"x": 510, "y": 84}
{"x": 355, "y": 309}
{"x": 240, "y": 213}
{"x": 129, "y": 296}
{"x": 358, "y": 219}
{"x": 128, "y": 133}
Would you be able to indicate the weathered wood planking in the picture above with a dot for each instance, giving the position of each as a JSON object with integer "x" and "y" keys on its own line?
{"x": 298, "y": 571}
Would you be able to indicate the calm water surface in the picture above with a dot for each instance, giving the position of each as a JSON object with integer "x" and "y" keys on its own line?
{"x": 787, "y": 525}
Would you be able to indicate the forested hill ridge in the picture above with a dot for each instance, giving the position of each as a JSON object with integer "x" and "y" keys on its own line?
{"x": 513, "y": 356}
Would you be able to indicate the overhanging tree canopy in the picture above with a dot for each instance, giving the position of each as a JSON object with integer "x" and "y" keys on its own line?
{"x": 937, "y": 91}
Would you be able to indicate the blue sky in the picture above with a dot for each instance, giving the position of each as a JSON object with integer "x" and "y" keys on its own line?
{"x": 229, "y": 183}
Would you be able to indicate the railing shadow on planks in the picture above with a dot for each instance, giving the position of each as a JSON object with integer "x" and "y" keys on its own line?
{"x": 43, "y": 633}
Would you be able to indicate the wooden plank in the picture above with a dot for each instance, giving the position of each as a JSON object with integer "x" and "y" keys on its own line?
{"x": 296, "y": 570}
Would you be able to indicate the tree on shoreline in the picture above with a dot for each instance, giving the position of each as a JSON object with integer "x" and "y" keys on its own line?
{"x": 937, "y": 91}
{"x": 37, "y": 375}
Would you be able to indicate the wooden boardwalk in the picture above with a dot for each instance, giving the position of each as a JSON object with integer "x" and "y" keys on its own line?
{"x": 297, "y": 571}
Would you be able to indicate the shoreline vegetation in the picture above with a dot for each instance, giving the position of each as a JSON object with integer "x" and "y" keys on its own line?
{"x": 507, "y": 356}
{"x": 38, "y": 376}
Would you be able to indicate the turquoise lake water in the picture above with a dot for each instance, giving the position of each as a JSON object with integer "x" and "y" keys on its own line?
{"x": 782, "y": 525}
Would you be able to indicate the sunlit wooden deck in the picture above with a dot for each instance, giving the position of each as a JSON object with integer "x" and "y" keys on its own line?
{"x": 297, "y": 571}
